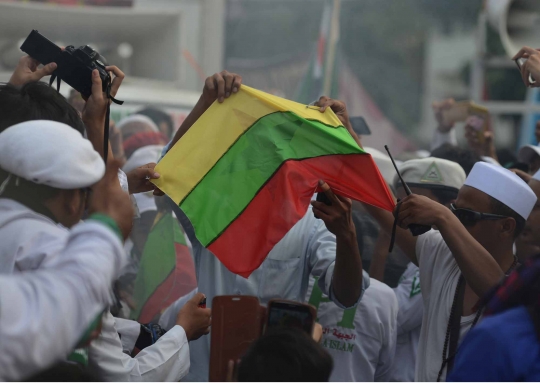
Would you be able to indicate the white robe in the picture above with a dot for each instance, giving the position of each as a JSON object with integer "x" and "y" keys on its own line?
{"x": 43, "y": 313}
{"x": 31, "y": 241}
{"x": 308, "y": 249}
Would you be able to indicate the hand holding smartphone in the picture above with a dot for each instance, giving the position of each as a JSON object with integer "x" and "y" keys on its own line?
{"x": 520, "y": 62}
{"x": 464, "y": 111}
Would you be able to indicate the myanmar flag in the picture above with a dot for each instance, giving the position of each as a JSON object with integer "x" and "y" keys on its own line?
{"x": 166, "y": 271}
{"x": 246, "y": 171}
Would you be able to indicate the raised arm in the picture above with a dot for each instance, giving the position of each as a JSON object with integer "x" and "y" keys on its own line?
{"x": 340, "y": 109}
{"x": 95, "y": 109}
{"x": 217, "y": 87}
{"x": 479, "y": 268}
{"x": 404, "y": 238}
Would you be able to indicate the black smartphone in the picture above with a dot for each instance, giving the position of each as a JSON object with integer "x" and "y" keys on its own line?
{"x": 284, "y": 313}
{"x": 321, "y": 197}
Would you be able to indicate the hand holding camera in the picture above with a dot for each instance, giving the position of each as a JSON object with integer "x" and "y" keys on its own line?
{"x": 86, "y": 71}
{"x": 28, "y": 70}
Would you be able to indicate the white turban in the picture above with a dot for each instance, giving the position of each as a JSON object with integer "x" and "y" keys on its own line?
{"x": 50, "y": 153}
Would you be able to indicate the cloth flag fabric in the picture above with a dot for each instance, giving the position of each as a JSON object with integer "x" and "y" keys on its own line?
{"x": 166, "y": 271}
{"x": 246, "y": 171}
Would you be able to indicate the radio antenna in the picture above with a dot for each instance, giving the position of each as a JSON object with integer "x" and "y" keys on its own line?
{"x": 405, "y": 186}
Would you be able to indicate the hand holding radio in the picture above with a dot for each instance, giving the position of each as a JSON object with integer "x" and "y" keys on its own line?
{"x": 419, "y": 210}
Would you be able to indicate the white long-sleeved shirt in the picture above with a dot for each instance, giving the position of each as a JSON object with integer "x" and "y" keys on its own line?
{"x": 44, "y": 313}
{"x": 32, "y": 241}
{"x": 166, "y": 360}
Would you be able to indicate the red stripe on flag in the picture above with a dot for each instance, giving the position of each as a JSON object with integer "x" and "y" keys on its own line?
{"x": 284, "y": 200}
{"x": 179, "y": 282}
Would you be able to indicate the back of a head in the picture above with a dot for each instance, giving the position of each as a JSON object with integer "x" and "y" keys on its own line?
{"x": 285, "y": 355}
{"x": 135, "y": 123}
{"x": 465, "y": 157}
{"x": 159, "y": 117}
{"x": 36, "y": 101}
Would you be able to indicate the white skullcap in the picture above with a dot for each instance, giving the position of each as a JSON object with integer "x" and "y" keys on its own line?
{"x": 137, "y": 118}
{"x": 431, "y": 172}
{"x": 504, "y": 186}
{"x": 383, "y": 163}
{"x": 143, "y": 156}
{"x": 50, "y": 153}
{"x": 527, "y": 153}
{"x": 537, "y": 176}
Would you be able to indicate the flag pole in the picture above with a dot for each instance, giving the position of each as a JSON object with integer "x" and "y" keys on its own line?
{"x": 332, "y": 42}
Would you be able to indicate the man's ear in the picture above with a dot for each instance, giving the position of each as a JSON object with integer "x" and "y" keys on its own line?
{"x": 72, "y": 201}
{"x": 508, "y": 227}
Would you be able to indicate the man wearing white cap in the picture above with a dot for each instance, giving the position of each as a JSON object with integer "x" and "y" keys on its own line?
{"x": 45, "y": 312}
{"x": 440, "y": 181}
{"x": 46, "y": 169}
{"x": 464, "y": 259}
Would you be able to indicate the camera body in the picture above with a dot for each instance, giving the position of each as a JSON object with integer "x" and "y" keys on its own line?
{"x": 75, "y": 65}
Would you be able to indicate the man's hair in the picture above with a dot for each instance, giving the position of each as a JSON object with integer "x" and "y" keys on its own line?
{"x": 35, "y": 101}
{"x": 465, "y": 157}
{"x": 497, "y": 207}
{"x": 285, "y": 355}
{"x": 159, "y": 116}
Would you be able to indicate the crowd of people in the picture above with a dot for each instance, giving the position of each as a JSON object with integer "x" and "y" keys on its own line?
{"x": 460, "y": 302}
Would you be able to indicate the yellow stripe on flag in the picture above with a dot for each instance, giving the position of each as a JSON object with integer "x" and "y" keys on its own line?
{"x": 216, "y": 131}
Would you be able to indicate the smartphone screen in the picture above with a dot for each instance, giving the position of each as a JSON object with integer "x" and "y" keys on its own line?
{"x": 290, "y": 314}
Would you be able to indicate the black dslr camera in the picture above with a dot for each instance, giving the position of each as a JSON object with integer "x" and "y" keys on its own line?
{"x": 75, "y": 65}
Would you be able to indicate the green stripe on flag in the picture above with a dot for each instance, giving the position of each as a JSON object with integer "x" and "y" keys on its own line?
{"x": 158, "y": 259}
{"x": 236, "y": 178}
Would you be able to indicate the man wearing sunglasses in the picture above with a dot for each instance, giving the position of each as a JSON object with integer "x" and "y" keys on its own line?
{"x": 461, "y": 261}
{"x": 439, "y": 180}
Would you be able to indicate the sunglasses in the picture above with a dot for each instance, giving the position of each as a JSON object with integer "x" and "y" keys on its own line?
{"x": 470, "y": 217}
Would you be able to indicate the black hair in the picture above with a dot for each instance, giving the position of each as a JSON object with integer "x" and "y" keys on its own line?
{"x": 497, "y": 207}
{"x": 285, "y": 355}
{"x": 158, "y": 116}
{"x": 445, "y": 195}
{"x": 465, "y": 157}
{"x": 35, "y": 101}
{"x": 507, "y": 158}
